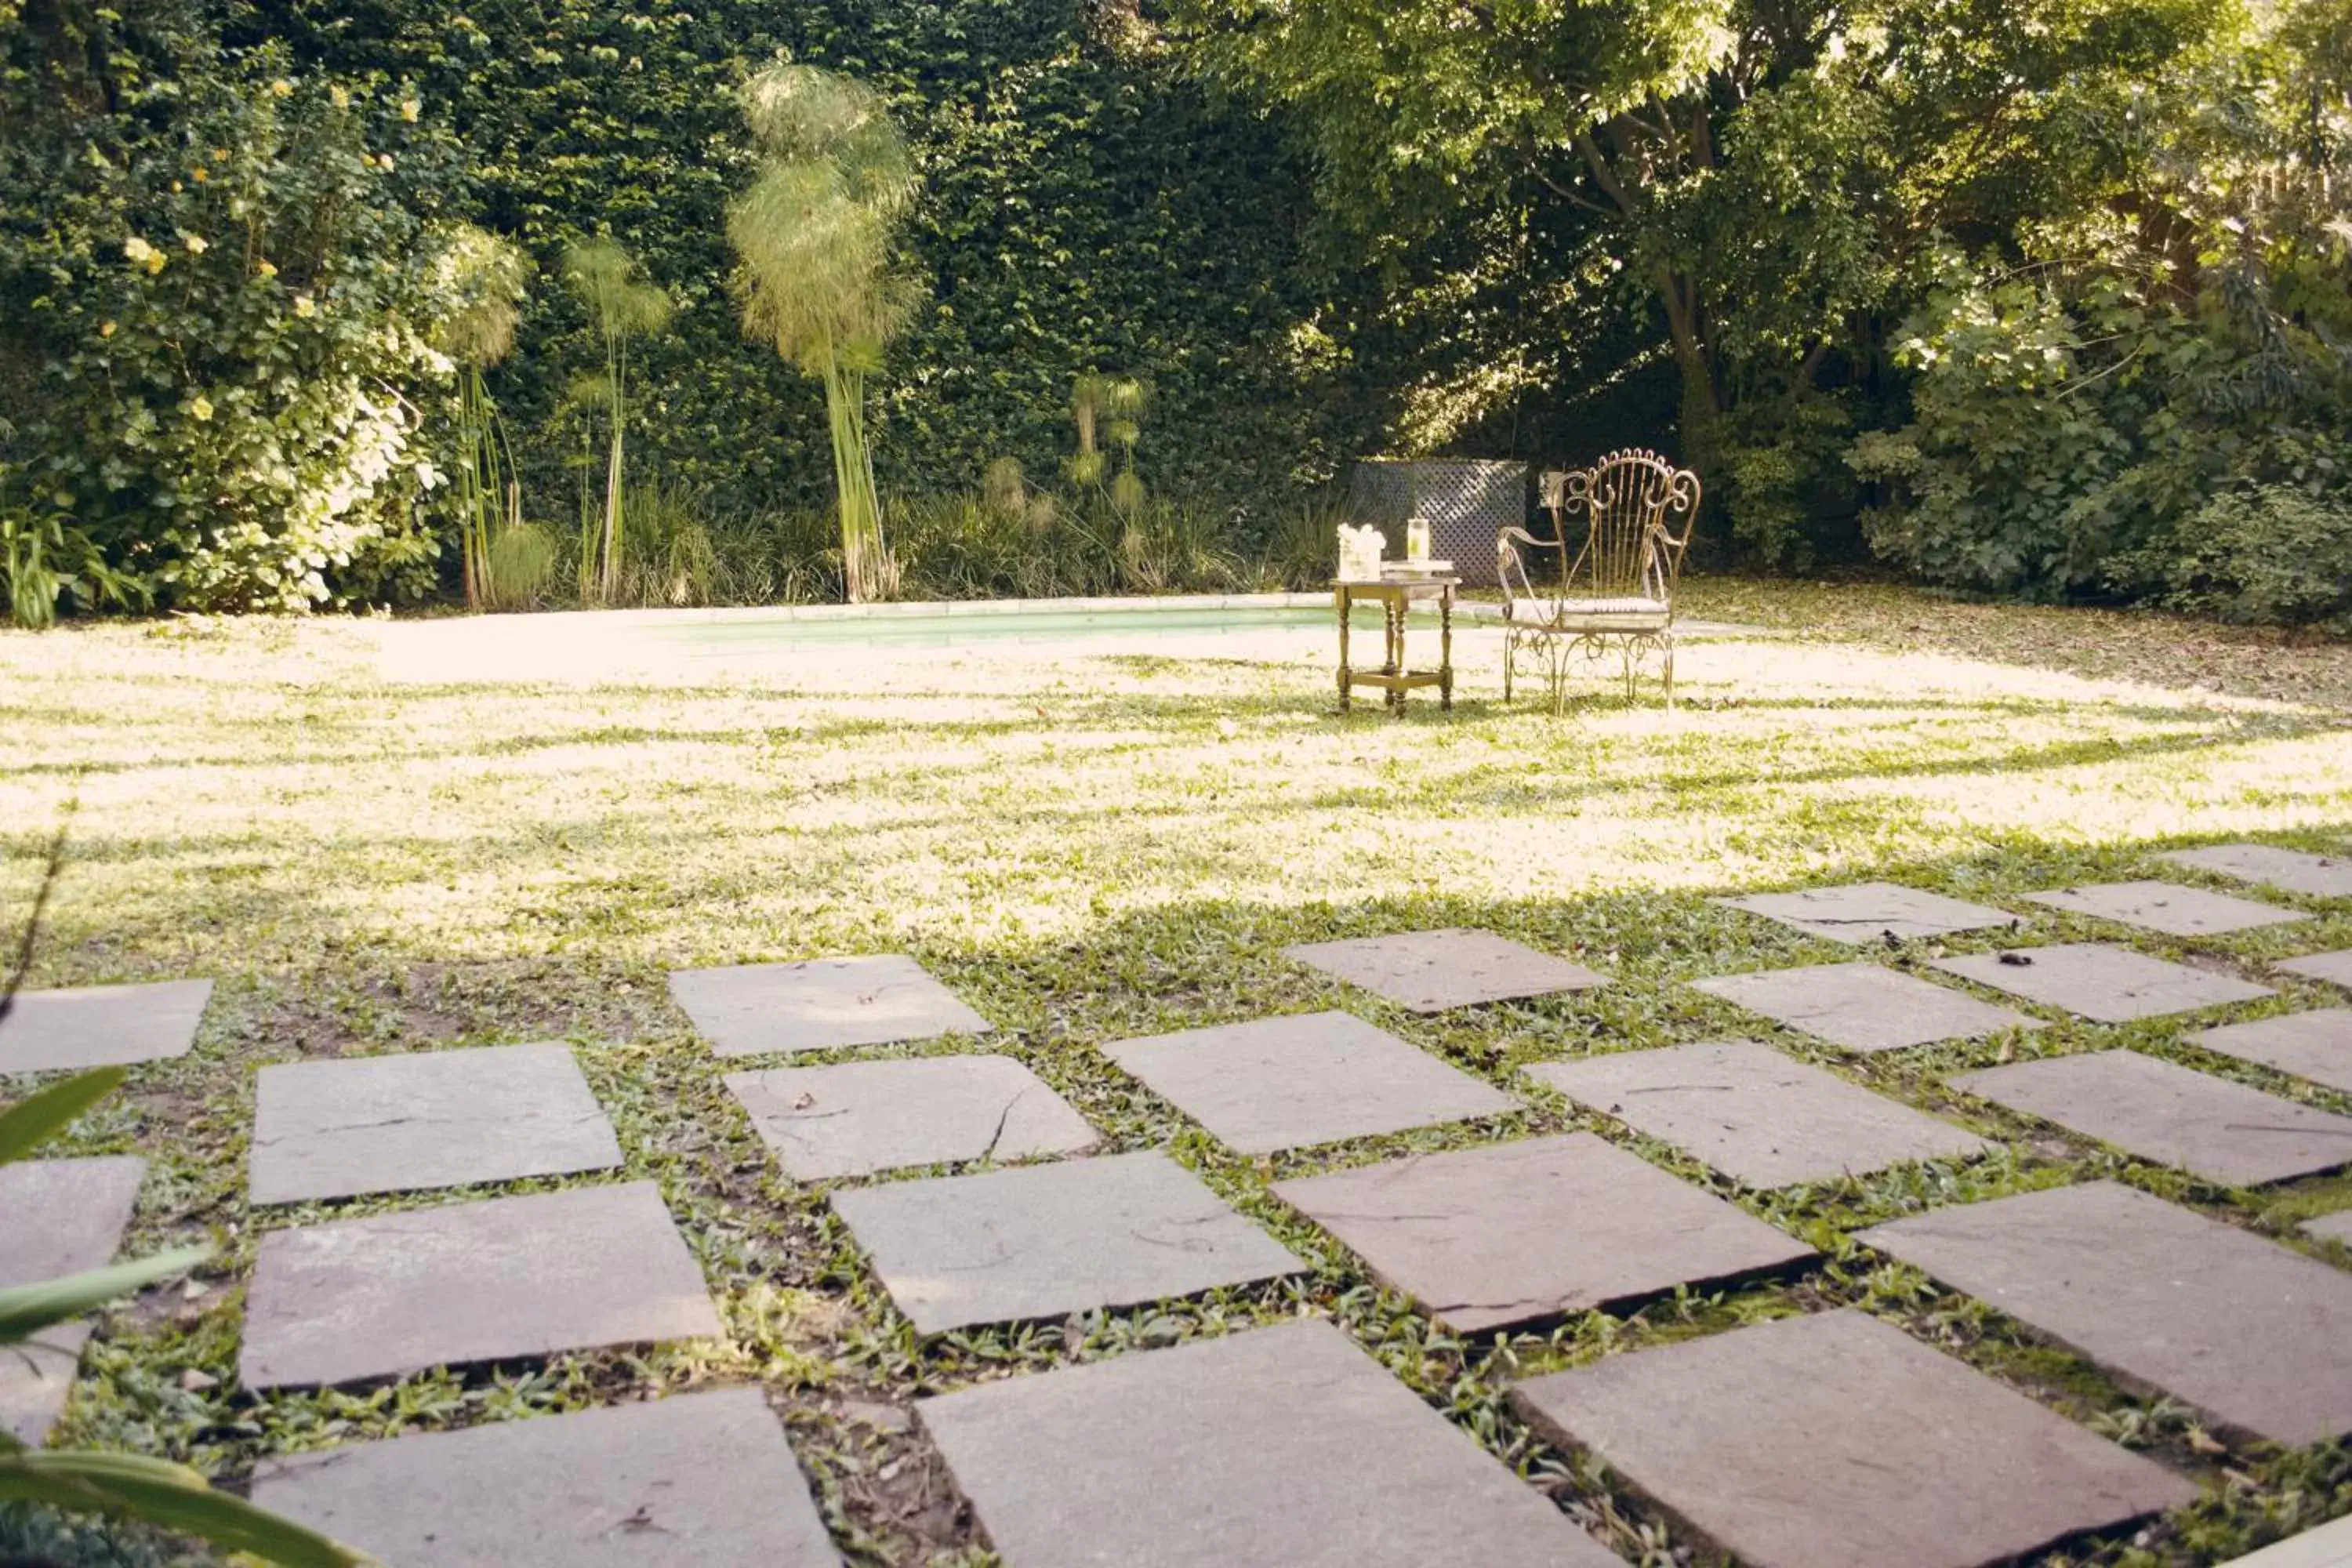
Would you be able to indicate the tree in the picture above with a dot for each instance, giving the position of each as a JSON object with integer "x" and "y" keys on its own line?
{"x": 1762, "y": 169}
{"x": 817, "y": 275}
{"x": 622, "y": 305}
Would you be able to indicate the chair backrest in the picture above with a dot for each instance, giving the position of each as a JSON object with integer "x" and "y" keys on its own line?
{"x": 1638, "y": 510}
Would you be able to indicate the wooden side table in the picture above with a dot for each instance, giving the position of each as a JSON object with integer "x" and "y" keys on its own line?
{"x": 1395, "y": 676}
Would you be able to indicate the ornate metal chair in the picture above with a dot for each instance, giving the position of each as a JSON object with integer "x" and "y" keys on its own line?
{"x": 1617, "y": 573}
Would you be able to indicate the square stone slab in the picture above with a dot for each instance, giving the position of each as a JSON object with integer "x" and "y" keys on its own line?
{"x": 64, "y": 1217}
{"x": 2319, "y": 876}
{"x": 704, "y": 1479}
{"x": 35, "y": 1379}
{"x": 2335, "y": 968}
{"x": 2173, "y": 1115}
{"x": 757, "y": 1008}
{"x": 1430, "y": 971}
{"x": 1839, "y": 1441}
{"x": 1306, "y": 1078}
{"x": 101, "y": 1026}
{"x": 2108, "y": 985}
{"x": 1046, "y": 1241}
{"x": 1864, "y": 1007}
{"x": 1520, "y": 1233}
{"x": 2166, "y": 907}
{"x": 2327, "y": 1546}
{"x": 2315, "y": 1045}
{"x": 437, "y": 1118}
{"x": 1757, "y": 1116}
{"x": 1871, "y": 911}
{"x": 864, "y": 1116}
{"x": 1285, "y": 1445}
{"x": 2253, "y": 1333}
{"x": 57, "y": 1217}
{"x": 482, "y": 1281}
{"x": 2332, "y": 1228}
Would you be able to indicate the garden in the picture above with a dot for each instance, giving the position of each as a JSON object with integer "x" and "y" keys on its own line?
{"x": 682, "y": 880}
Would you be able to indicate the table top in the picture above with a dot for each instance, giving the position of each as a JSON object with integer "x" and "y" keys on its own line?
{"x": 1373, "y": 584}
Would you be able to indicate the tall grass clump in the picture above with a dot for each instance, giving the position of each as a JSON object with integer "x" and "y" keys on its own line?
{"x": 622, "y": 305}
{"x": 488, "y": 277}
{"x": 817, "y": 278}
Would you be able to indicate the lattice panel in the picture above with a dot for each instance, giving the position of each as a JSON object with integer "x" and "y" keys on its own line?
{"x": 1467, "y": 501}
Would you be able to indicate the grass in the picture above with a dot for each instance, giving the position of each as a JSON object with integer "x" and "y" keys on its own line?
{"x": 1095, "y": 843}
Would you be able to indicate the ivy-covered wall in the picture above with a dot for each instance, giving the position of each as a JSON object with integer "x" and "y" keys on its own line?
{"x": 1085, "y": 208}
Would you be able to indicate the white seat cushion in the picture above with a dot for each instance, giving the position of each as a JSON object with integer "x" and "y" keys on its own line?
{"x": 1558, "y": 612}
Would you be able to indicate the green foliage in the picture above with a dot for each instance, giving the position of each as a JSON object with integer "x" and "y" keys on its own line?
{"x": 1066, "y": 223}
{"x": 818, "y": 275}
{"x": 218, "y": 295}
{"x": 485, "y": 278}
{"x": 622, "y": 305}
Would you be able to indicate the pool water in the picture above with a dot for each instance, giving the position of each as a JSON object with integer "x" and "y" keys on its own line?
{"x": 748, "y": 633}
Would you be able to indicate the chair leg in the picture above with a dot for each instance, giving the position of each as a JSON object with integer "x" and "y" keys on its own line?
{"x": 1670, "y": 673}
{"x": 1510, "y": 645}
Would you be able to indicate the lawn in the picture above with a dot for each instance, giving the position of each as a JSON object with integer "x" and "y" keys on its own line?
{"x": 1091, "y": 843}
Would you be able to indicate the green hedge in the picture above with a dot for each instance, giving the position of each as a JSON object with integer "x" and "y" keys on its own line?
{"x": 1083, "y": 208}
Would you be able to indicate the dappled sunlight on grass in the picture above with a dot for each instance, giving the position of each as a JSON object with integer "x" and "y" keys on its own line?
{"x": 991, "y": 796}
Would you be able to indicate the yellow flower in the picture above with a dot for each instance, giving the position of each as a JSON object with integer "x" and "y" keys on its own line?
{"x": 409, "y": 109}
{"x": 176, "y": 187}
{"x": 340, "y": 97}
{"x": 202, "y": 408}
{"x": 384, "y": 162}
{"x": 199, "y": 174}
{"x": 304, "y": 305}
{"x": 194, "y": 242}
{"x": 106, "y": 329}
{"x": 136, "y": 249}
{"x": 281, "y": 88}
{"x": 156, "y": 259}
{"x": 267, "y": 269}
{"x": 220, "y": 154}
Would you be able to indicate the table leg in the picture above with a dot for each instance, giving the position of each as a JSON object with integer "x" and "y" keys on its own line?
{"x": 1395, "y": 665}
{"x": 1445, "y": 650}
{"x": 1346, "y": 607}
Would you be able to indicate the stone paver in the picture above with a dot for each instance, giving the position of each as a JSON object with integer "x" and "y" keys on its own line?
{"x": 2257, "y": 1335}
{"x": 1284, "y": 1445}
{"x": 439, "y": 1119}
{"x": 2174, "y": 1115}
{"x": 2319, "y": 876}
{"x": 470, "y": 1282}
{"x": 35, "y": 1379}
{"x": 2315, "y": 1045}
{"x": 704, "y": 1479}
{"x": 2166, "y": 907}
{"x": 757, "y": 1008}
{"x": 2335, "y": 968}
{"x": 1837, "y": 1441}
{"x": 863, "y": 1117}
{"x": 1864, "y": 1006}
{"x": 1045, "y": 1241}
{"x": 63, "y": 1217}
{"x": 1430, "y": 971}
{"x": 1306, "y": 1078}
{"x": 57, "y": 1217}
{"x": 1871, "y": 911}
{"x": 1520, "y": 1233}
{"x": 2332, "y": 1228}
{"x": 1754, "y": 1114}
{"x": 2328, "y": 1546}
{"x": 102, "y": 1026}
{"x": 2107, "y": 985}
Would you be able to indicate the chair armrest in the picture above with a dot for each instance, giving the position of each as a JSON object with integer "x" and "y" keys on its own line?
{"x": 1508, "y": 566}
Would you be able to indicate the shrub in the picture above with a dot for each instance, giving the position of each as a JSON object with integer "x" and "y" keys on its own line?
{"x": 229, "y": 296}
